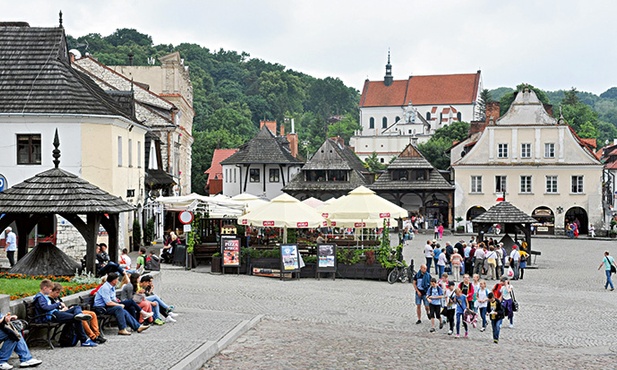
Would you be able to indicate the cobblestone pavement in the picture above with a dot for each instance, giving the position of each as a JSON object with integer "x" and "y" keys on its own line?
{"x": 567, "y": 320}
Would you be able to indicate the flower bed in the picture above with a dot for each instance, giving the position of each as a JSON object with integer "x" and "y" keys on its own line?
{"x": 28, "y": 285}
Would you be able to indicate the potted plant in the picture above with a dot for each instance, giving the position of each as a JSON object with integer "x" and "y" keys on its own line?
{"x": 460, "y": 228}
{"x": 217, "y": 263}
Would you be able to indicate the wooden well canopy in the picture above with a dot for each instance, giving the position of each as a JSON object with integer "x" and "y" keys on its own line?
{"x": 513, "y": 219}
{"x": 56, "y": 191}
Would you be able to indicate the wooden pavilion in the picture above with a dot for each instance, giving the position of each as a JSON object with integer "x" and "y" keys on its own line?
{"x": 513, "y": 219}
{"x": 56, "y": 191}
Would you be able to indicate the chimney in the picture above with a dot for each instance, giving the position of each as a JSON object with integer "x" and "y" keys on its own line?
{"x": 271, "y": 125}
{"x": 131, "y": 55}
{"x": 282, "y": 130}
{"x": 492, "y": 111}
{"x": 293, "y": 144}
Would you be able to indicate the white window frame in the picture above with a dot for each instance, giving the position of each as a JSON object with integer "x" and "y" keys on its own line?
{"x": 502, "y": 150}
{"x": 580, "y": 180}
{"x": 501, "y": 184}
{"x": 526, "y": 150}
{"x": 525, "y": 184}
{"x": 549, "y": 150}
{"x": 552, "y": 184}
{"x": 476, "y": 184}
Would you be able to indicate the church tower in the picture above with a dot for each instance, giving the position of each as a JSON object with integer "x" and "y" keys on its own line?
{"x": 387, "y": 80}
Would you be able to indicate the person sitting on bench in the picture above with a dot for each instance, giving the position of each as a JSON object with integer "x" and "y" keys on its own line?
{"x": 19, "y": 346}
{"x": 103, "y": 264}
{"x": 90, "y": 327}
{"x": 58, "y": 312}
{"x": 106, "y": 302}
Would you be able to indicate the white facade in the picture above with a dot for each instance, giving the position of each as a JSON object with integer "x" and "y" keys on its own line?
{"x": 536, "y": 161}
{"x": 101, "y": 150}
{"x": 263, "y": 180}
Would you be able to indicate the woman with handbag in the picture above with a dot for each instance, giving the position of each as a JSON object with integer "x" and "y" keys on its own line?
{"x": 14, "y": 342}
{"x": 609, "y": 269}
{"x": 507, "y": 301}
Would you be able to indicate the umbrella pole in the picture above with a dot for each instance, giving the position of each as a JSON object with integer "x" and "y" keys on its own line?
{"x": 284, "y": 234}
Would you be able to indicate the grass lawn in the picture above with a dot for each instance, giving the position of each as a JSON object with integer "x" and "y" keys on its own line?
{"x": 19, "y": 287}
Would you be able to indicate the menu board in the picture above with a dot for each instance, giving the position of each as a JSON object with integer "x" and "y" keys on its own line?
{"x": 230, "y": 247}
{"x": 326, "y": 257}
{"x": 289, "y": 257}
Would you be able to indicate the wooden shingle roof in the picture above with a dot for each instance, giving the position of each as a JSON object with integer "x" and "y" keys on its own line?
{"x": 264, "y": 148}
{"x": 58, "y": 191}
{"x": 411, "y": 159}
{"x": 331, "y": 156}
{"x": 504, "y": 213}
{"x": 36, "y": 76}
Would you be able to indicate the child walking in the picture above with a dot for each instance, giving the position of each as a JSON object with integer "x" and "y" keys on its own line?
{"x": 496, "y": 314}
{"x": 434, "y": 295}
{"x": 461, "y": 306}
{"x": 450, "y": 306}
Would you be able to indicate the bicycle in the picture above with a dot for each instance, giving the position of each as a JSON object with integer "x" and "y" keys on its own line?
{"x": 401, "y": 272}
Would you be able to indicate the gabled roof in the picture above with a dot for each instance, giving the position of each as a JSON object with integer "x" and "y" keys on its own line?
{"x": 218, "y": 156}
{"x": 526, "y": 109}
{"x": 504, "y": 213}
{"x": 422, "y": 90}
{"x": 58, "y": 191}
{"x": 36, "y": 76}
{"x": 410, "y": 159}
{"x": 264, "y": 148}
{"x": 331, "y": 155}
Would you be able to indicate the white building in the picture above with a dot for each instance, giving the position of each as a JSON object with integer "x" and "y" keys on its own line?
{"x": 395, "y": 113}
{"x": 262, "y": 166}
{"x": 537, "y": 162}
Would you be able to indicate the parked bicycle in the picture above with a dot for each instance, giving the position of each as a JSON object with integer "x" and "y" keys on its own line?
{"x": 401, "y": 272}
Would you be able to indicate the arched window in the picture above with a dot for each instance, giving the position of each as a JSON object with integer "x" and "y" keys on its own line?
{"x": 428, "y": 116}
{"x": 371, "y": 122}
{"x": 384, "y": 122}
{"x": 397, "y": 119}
{"x": 459, "y": 117}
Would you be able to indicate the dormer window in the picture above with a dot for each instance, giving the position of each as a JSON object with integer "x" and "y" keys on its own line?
{"x": 400, "y": 175}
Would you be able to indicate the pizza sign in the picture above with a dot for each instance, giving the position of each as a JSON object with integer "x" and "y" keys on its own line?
{"x": 384, "y": 215}
{"x": 359, "y": 224}
{"x": 268, "y": 223}
{"x": 301, "y": 224}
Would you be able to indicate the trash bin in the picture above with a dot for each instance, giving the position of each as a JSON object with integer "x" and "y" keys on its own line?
{"x": 179, "y": 255}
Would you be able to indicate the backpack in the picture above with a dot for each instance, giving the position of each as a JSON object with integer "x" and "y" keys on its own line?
{"x": 68, "y": 336}
{"x": 153, "y": 263}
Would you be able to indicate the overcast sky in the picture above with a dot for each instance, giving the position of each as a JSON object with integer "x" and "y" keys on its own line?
{"x": 550, "y": 44}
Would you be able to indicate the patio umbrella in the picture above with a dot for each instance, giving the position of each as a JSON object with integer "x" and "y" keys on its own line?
{"x": 313, "y": 202}
{"x": 362, "y": 208}
{"x": 251, "y": 201}
{"x": 283, "y": 211}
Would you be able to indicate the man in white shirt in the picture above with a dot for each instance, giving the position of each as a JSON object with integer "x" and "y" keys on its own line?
{"x": 11, "y": 245}
{"x": 515, "y": 257}
{"x": 428, "y": 254}
{"x": 479, "y": 255}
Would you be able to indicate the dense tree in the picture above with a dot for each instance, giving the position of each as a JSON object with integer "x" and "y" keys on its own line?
{"x": 436, "y": 148}
{"x": 610, "y": 93}
{"x": 508, "y": 99}
{"x": 485, "y": 97}
{"x": 344, "y": 128}
{"x": 373, "y": 164}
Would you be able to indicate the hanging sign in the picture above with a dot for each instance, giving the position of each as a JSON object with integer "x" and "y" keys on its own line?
{"x": 185, "y": 217}
{"x": 384, "y": 215}
{"x": 359, "y": 224}
{"x": 268, "y": 223}
{"x": 301, "y": 225}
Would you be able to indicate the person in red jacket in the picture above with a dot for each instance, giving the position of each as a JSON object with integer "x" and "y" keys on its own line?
{"x": 467, "y": 288}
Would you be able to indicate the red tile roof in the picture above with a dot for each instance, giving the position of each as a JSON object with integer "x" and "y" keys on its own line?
{"x": 216, "y": 170}
{"x": 422, "y": 90}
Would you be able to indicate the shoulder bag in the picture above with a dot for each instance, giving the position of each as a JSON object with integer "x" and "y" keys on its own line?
{"x": 514, "y": 302}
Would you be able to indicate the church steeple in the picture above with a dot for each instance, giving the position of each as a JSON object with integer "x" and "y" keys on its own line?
{"x": 387, "y": 80}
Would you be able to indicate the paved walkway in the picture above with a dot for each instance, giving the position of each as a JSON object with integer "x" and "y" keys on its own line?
{"x": 567, "y": 320}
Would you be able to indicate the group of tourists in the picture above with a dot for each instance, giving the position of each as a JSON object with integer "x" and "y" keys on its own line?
{"x": 470, "y": 302}
{"x": 488, "y": 259}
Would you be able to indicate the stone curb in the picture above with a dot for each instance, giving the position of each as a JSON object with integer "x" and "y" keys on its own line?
{"x": 211, "y": 348}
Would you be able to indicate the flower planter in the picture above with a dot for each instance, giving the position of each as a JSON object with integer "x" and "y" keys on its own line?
{"x": 362, "y": 271}
{"x": 217, "y": 263}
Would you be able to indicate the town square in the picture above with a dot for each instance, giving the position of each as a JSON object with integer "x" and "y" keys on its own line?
{"x": 307, "y": 185}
